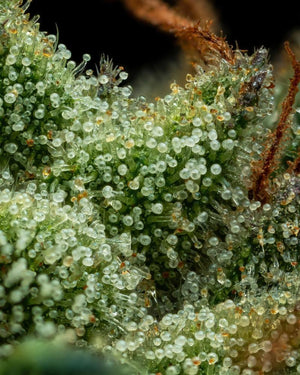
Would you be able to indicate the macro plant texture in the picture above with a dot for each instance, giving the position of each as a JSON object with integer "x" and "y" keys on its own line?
{"x": 164, "y": 235}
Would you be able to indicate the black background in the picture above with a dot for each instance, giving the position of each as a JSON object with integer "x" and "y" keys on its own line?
{"x": 104, "y": 26}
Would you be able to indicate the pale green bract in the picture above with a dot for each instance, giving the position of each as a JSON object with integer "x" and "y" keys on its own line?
{"x": 126, "y": 227}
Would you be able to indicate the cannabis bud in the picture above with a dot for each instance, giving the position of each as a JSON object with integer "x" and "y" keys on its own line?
{"x": 163, "y": 235}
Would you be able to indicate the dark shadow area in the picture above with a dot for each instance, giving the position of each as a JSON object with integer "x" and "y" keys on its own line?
{"x": 104, "y": 26}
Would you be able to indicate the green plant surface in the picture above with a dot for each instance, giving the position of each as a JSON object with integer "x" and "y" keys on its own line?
{"x": 127, "y": 227}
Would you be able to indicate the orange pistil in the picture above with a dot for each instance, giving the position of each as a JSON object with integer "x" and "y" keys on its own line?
{"x": 263, "y": 168}
{"x": 196, "y": 39}
{"x": 295, "y": 165}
